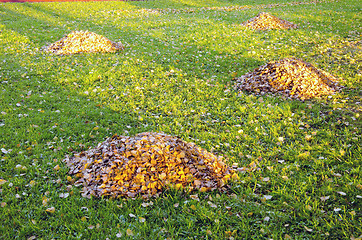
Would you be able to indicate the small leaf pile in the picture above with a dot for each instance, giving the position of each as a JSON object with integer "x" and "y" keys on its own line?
{"x": 82, "y": 42}
{"x": 145, "y": 165}
{"x": 264, "y": 21}
{"x": 290, "y": 77}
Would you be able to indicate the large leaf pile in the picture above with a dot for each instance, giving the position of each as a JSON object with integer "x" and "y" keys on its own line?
{"x": 264, "y": 21}
{"x": 82, "y": 42}
{"x": 290, "y": 77}
{"x": 145, "y": 165}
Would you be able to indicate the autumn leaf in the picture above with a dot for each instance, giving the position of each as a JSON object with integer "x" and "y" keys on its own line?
{"x": 308, "y": 229}
{"x": 212, "y": 204}
{"x": 129, "y": 232}
{"x": 50, "y": 210}
{"x": 325, "y": 198}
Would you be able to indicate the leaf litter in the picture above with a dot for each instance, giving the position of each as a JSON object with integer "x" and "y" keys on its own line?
{"x": 293, "y": 78}
{"x": 83, "y": 42}
{"x": 145, "y": 165}
{"x": 265, "y": 21}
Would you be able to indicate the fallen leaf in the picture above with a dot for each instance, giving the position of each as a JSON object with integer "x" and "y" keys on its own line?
{"x": 50, "y": 210}
{"x": 288, "y": 237}
{"x": 325, "y": 198}
{"x": 3, "y": 204}
{"x": 308, "y": 229}
{"x": 2, "y": 181}
{"x": 129, "y": 232}
{"x": 266, "y": 179}
{"x": 193, "y": 207}
{"x": 342, "y": 193}
{"x": 195, "y": 197}
{"x": 141, "y": 219}
{"x": 118, "y": 235}
{"x": 267, "y": 197}
{"x": 212, "y": 204}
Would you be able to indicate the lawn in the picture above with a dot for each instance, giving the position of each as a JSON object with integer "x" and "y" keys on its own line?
{"x": 301, "y": 174}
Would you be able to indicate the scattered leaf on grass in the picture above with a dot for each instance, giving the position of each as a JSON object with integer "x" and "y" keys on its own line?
{"x": 50, "y": 210}
{"x": 141, "y": 219}
{"x": 266, "y": 179}
{"x": 119, "y": 235}
{"x": 267, "y": 197}
{"x": 2, "y": 181}
{"x": 3, "y": 204}
{"x": 129, "y": 232}
{"x": 342, "y": 193}
{"x": 325, "y": 198}
{"x": 308, "y": 229}
{"x": 213, "y": 205}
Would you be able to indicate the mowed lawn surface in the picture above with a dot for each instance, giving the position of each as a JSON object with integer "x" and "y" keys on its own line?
{"x": 299, "y": 161}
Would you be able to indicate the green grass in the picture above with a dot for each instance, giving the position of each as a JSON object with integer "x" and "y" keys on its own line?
{"x": 175, "y": 76}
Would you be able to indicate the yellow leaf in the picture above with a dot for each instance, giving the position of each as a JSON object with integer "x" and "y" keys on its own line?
{"x": 141, "y": 219}
{"x": 193, "y": 207}
{"x": 50, "y": 210}
{"x": 83, "y": 219}
{"x": 2, "y": 181}
{"x": 56, "y": 168}
{"x": 353, "y": 213}
{"x": 32, "y": 183}
{"x": 203, "y": 189}
{"x": 129, "y": 232}
{"x": 308, "y": 229}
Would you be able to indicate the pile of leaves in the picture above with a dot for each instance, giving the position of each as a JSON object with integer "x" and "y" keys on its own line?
{"x": 290, "y": 77}
{"x": 82, "y": 42}
{"x": 264, "y": 21}
{"x": 145, "y": 165}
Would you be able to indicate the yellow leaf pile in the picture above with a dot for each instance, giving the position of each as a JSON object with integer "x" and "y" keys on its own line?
{"x": 83, "y": 42}
{"x": 264, "y": 21}
{"x": 290, "y": 77}
{"x": 145, "y": 165}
